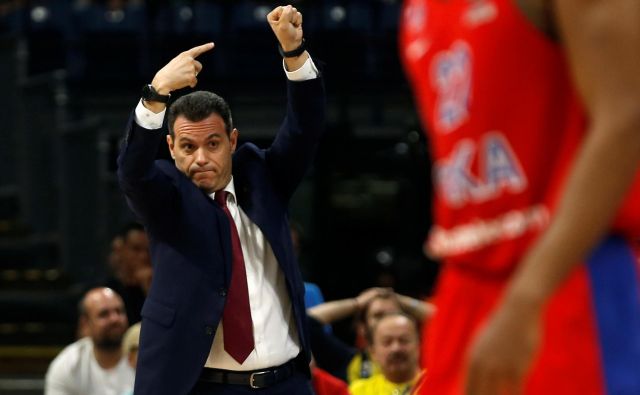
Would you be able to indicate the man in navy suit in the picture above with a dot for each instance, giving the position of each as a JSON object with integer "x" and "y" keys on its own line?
{"x": 219, "y": 232}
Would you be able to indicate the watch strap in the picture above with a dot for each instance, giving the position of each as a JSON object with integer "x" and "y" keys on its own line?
{"x": 294, "y": 52}
{"x": 149, "y": 93}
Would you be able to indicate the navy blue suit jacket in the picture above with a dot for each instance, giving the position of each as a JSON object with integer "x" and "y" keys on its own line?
{"x": 190, "y": 241}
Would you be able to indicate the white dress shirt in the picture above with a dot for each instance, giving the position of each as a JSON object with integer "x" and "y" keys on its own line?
{"x": 274, "y": 330}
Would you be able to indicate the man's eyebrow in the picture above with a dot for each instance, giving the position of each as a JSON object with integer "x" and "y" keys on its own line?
{"x": 184, "y": 139}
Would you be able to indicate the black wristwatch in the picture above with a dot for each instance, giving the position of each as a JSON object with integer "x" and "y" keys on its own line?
{"x": 294, "y": 52}
{"x": 149, "y": 93}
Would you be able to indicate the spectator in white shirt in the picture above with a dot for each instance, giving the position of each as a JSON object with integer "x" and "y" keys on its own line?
{"x": 94, "y": 365}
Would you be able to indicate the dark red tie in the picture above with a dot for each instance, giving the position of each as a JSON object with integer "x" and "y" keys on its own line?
{"x": 236, "y": 318}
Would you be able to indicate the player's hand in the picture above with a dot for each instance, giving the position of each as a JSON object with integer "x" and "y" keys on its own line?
{"x": 502, "y": 352}
{"x": 181, "y": 71}
{"x": 286, "y": 23}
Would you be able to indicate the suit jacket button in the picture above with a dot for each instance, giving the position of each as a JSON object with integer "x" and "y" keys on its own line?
{"x": 222, "y": 292}
{"x": 208, "y": 330}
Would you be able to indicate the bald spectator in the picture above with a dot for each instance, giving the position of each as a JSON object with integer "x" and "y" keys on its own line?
{"x": 394, "y": 346}
{"x": 94, "y": 365}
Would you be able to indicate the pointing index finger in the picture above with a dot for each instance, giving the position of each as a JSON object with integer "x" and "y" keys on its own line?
{"x": 200, "y": 49}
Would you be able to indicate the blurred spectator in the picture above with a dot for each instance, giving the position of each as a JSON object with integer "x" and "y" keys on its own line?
{"x": 131, "y": 268}
{"x": 312, "y": 295}
{"x": 94, "y": 365}
{"x": 115, "y": 255}
{"x": 130, "y": 343}
{"x": 368, "y": 307}
{"x": 394, "y": 346}
{"x": 135, "y": 253}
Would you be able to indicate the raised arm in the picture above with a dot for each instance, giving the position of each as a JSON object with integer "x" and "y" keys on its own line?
{"x": 286, "y": 23}
{"x": 146, "y": 189}
{"x": 293, "y": 149}
{"x": 602, "y": 41}
{"x": 180, "y": 72}
{"x": 336, "y": 310}
{"x": 420, "y": 310}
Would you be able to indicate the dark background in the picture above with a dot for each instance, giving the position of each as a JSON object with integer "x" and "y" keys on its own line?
{"x": 71, "y": 72}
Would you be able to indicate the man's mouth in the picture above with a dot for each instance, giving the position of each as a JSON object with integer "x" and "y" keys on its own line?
{"x": 398, "y": 358}
{"x": 195, "y": 172}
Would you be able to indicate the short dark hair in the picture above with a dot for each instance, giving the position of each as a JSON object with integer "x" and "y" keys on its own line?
{"x": 198, "y": 105}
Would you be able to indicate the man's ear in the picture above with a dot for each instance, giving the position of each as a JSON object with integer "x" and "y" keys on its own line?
{"x": 233, "y": 138}
{"x": 171, "y": 145}
{"x": 83, "y": 326}
{"x": 371, "y": 349}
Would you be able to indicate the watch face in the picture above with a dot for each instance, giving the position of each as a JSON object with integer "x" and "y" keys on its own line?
{"x": 147, "y": 92}
{"x": 150, "y": 94}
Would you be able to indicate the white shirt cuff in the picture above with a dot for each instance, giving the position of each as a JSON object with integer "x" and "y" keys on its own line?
{"x": 307, "y": 71}
{"x": 147, "y": 118}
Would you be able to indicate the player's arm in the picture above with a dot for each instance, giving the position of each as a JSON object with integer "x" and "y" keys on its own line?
{"x": 601, "y": 38}
{"x": 602, "y": 41}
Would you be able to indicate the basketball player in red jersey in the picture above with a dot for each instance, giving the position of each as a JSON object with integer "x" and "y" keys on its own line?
{"x": 532, "y": 109}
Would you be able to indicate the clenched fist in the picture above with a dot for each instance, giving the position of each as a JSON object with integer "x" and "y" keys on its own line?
{"x": 286, "y": 23}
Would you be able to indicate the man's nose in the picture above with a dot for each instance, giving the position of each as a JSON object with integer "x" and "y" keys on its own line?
{"x": 116, "y": 315}
{"x": 201, "y": 158}
{"x": 395, "y": 346}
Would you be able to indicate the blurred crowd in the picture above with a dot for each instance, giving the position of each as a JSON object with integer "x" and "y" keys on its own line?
{"x": 384, "y": 356}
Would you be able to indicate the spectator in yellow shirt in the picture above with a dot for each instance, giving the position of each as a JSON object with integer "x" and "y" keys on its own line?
{"x": 349, "y": 363}
{"x": 394, "y": 344}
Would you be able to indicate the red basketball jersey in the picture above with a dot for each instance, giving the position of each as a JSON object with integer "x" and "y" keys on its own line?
{"x": 504, "y": 123}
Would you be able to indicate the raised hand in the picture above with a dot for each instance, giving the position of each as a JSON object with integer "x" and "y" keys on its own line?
{"x": 181, "y": 71}
{"x": 286, "y": 23}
